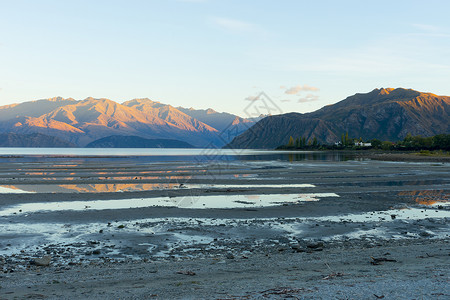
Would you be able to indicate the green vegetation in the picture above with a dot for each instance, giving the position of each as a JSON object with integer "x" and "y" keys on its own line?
{"x": 426, "y": 145}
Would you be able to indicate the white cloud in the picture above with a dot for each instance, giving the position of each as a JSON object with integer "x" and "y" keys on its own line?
{"x": 299, "y": 88}
{"x": 308, "y": 98}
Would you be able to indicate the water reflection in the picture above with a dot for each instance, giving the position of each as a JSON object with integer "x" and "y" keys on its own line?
{"x": 427, "y": 197}
{"x": 130, "y": 187}
{"x": 323, "y": 156}
{"x": 391, "y": 183}
{"x": 83, "y": 155}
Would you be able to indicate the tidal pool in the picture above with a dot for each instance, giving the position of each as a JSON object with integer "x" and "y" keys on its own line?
{"x": 191, "y": 202}
{"x": 131, "y": 187}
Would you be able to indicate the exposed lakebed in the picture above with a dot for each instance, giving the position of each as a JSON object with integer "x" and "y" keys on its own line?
{"x": 104, "y": 210}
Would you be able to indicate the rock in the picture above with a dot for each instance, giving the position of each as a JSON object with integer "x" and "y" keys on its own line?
{"x": 229, "y": 255}
{"x": 425, "y": 234}
{"x": 298, "y": 248}
{"x": 43, "y": 261}
{"x": 315, "y": 245}
{"x": 96, "y": 252}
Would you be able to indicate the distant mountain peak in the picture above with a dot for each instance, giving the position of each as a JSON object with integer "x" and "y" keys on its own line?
{"x": 238, "y": 120}
{"x": 58, "y": 99}
{"x": 92, "y": 99}
{"x": 143, "y": 100}
{"x": 386, "y": 91}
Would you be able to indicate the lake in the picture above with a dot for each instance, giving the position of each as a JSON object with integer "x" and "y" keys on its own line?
{"x": 166, "y": 154}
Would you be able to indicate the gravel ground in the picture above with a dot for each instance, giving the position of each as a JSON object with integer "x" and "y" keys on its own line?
{"x": 417, "y": 270}
{"x": 384, "y": 235}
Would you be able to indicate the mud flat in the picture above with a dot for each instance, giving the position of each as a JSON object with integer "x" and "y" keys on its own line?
{"x": 309, "y": 229}
{"x": 408, "y": 156}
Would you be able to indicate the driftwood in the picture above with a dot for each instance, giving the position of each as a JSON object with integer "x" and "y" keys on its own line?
{"x": 190, "y": 273}
{"x": 380, "y": 260}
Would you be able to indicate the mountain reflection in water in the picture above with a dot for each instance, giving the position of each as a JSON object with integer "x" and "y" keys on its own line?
{"x": 427, "y": 197}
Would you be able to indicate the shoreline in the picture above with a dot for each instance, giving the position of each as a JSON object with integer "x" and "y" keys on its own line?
{"x": 310, "y": 249}
{"x": 381, "y": 155}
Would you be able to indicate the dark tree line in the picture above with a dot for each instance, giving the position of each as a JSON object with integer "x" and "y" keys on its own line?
{"x": 437, "y": 142}
{"x": 409, "y": 143}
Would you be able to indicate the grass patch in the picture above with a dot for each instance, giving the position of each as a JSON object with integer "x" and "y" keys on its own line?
{"x": 432, "y": 153}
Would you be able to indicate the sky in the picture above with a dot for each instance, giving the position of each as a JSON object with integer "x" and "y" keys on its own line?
{"x": 222, "y": 54}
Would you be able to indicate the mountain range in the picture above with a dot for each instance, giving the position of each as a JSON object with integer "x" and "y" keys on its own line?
{"x": 386, "y": 114}
{"x": 80, "y": 122}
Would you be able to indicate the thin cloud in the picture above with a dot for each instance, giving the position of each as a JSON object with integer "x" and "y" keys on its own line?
{"x": 430, "y": 31}
{"x": 426, "y": 27}
{"x": 252, "y": 98}
{"x": 308, "y": 98}
{"x": 235, "y": 25}
{"x": 285, "y": 100}
{"x": 299, "y": 88}
{"x": 192, "y": 1}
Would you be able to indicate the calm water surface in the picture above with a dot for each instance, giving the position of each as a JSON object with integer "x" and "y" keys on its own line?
{"x": 164, "y": 154}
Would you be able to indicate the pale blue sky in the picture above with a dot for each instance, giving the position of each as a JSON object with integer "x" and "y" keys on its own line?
{"x": 217, "y": 53}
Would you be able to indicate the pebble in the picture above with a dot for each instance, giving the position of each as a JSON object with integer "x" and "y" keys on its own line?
{"x": 43, "y": 261}
{"x": 315, "y": 245}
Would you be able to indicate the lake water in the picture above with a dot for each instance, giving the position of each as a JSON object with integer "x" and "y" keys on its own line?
{"x": 161, "y": 202}
{"x": 165, "y": 154}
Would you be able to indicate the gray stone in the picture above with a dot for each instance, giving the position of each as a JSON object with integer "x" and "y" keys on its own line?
{"x": 315, "y": 245}
{"x": 43, "y": 261}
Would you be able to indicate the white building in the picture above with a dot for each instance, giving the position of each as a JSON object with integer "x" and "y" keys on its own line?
{"x": 361, "y": 144}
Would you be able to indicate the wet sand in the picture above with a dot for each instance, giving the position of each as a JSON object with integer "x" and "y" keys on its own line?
{"x": 407, "y": 156}
{"x": 314, "y": 247}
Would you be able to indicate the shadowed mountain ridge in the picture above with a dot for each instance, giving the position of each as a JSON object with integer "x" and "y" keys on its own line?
{"x": 385, "y": 114}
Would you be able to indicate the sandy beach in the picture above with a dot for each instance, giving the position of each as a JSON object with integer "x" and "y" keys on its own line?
{"x": 359, "y": 228}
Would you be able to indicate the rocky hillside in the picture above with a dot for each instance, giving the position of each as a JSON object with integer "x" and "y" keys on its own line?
{"x": 385, "y": 114}
{"x": 81, "y": 122}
